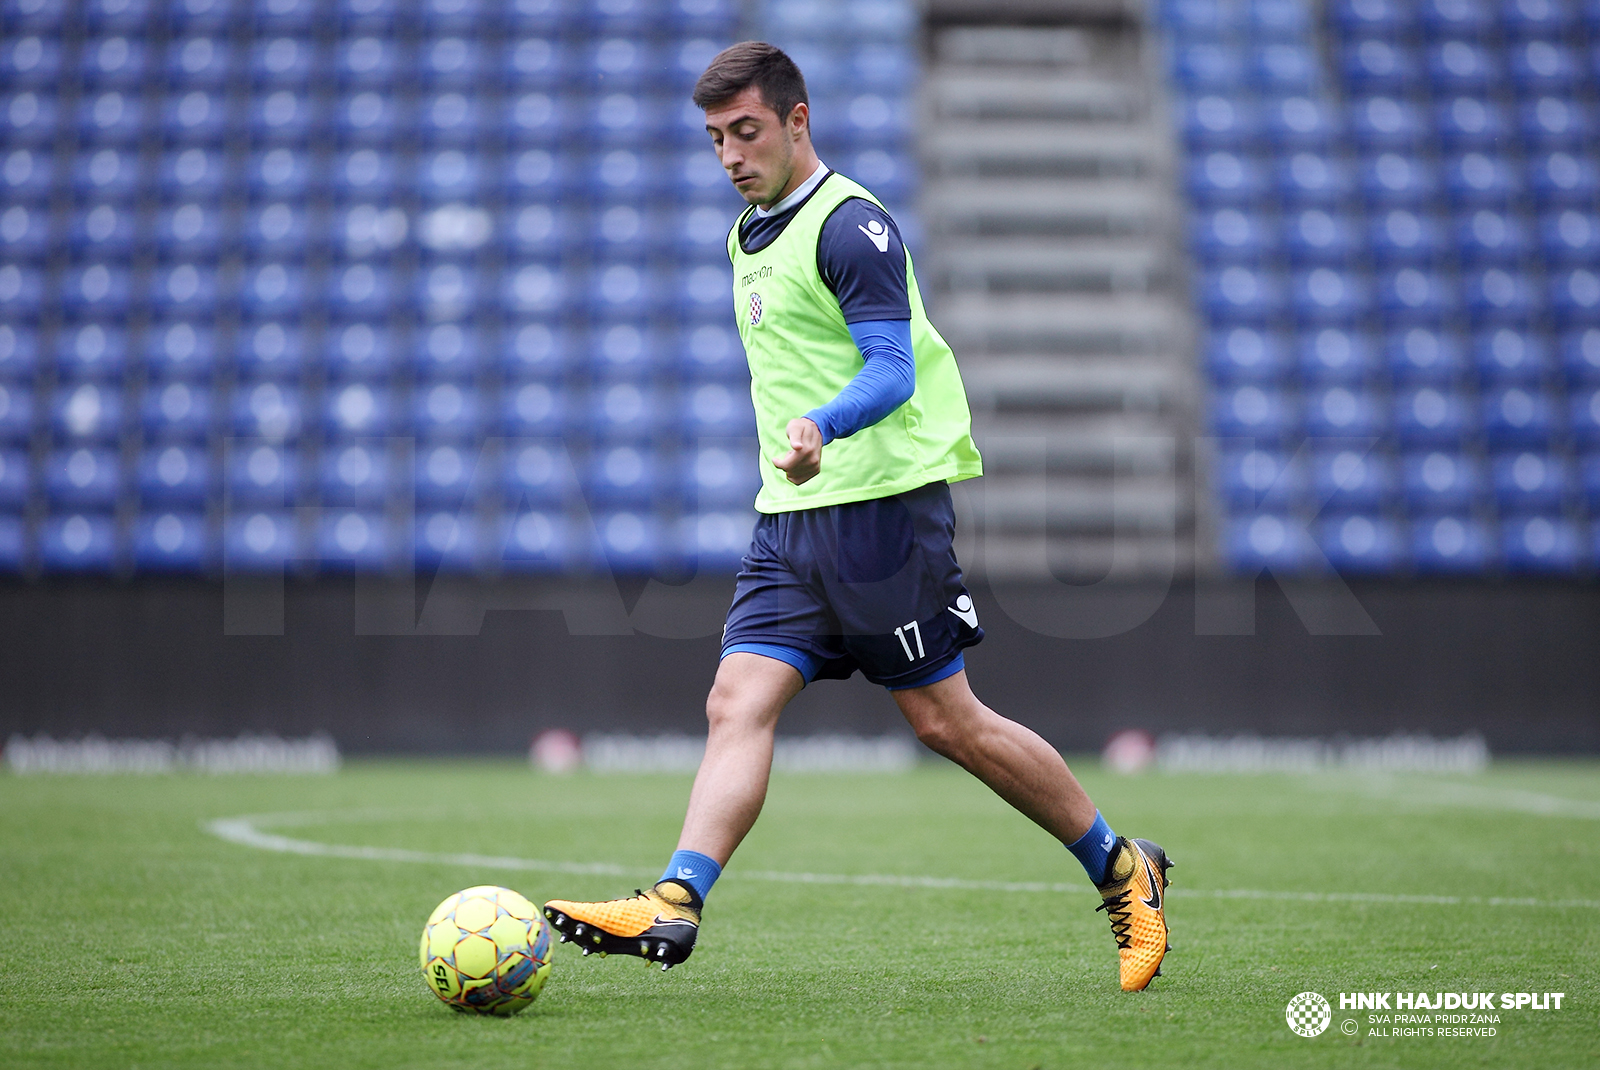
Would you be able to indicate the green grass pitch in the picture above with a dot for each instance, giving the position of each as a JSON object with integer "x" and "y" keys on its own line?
{"x": 134, "y": 937}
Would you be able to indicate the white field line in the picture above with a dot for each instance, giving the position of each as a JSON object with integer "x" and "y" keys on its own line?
{"x": 244, "y": 831}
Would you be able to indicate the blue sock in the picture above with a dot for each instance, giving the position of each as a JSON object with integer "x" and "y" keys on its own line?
{"x": 694, "y": 869}
{"x": 1094, "y": 847}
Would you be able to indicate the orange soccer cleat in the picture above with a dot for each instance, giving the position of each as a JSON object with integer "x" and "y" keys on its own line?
{"x": 1135, "y": 901}
{"x": 659, "y": 925}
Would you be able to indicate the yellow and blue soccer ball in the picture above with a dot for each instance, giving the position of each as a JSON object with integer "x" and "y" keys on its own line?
{"x": 486, "y": 950}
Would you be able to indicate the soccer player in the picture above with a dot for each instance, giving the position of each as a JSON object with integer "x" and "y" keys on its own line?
{"x": 864, "y": 421}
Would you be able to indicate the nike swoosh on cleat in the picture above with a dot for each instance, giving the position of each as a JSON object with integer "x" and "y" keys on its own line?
{"x": 1154, "y": 902}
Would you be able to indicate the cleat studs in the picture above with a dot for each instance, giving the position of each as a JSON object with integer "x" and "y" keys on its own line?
{"x": 661, "y": 952}
{"x": 560, "y": 918}
{"x": 579, "y": 930}
{"x": 596, "y": 938}
{"x": 586, "y": 952}
{"x": 644, "y": 947}
{"x": 565, "y": 939}
{"x": 665, "y": 966}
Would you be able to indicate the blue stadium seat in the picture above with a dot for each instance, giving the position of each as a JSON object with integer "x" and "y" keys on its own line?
{"x": 1335, "y": 355}
{"x": 712, "y": 350}
{"x": 444, "y": 472}
{"x": 625, "y": 289}
{"x": 103, "y": 231}
{"x": 626, "y": 350}
{"x": 83, "y": 477}
{"x": 1342, "y": 412}
{"x": 1393, "y": 179}
{"x": 715, "y": 410}
{"x": 360, "y": 291}
{"x": 702, "y": 292}
{"x": 450, "y": 175}
{"x": 1314, "y": 236}
{"x": 273, "y": 231}
{"x": 626, "y": 410}
{"x": 535, "y": 230}
{"x": 1584, "y": 414}
{"x": 698, "y": 177}
{"x": 449, "y": 541}
{"x": 1268, "y": 540}
{"x": 612, "y": 63}
{"x": 1423, "y": 355}
{"x": 1491, "y": 237}
{"x": 268, "y": 411}
{"x": 16, "y": 480}
{"x": 1575, "y": 296}
{"x": 1459, "y": 66}
{"x": 1253, "y": 412}
{"x": 1200, "y": 18}
{"x": 91, "y": 350}
{"x": 1386, "y": 122}
{"x": 367, "y": 118}
{"x": 286, "y": 16}
{"x": 1517, "y": 416}
{"x": 189, "y": 231}
{"x": 450, "y": 118}
{"x": 1560, "y": 179}
{"x": 622, "y": 475}
{"x": 368, "y": 62}
{"x": 454, "y": 16}
{"x": 1361, "y": 543}
{"x": 282, "y": 117}
{"x": 1470, "y": 123}
{"x": 630, "y": 541}
{"x": 263, "y": 474}
{"x": 1481, "y": 179}
{"x": 97, "y": 290}
{"x": 14, "y": 541}
{"x": 539, "y": 118}
{"x": 1372, "y": 18}
{"x": 192, "y": 174}
{"x": 447, "y": 291}
{"x": 1327, "y": 295}
{"x": 1541, "y": 544}
{"x": 1580, "y": 355}
{"x": 533, "y": 289}
{"x": 447, "y": 410}
{"x": 278, "y": 174}
{"x": 1555, "y": 123}
{"x": 22, "y": 292}
{"x": 28, "y": 118}
{"x": 1374, "y": 65}
{"x": 199, "y": 62}
{"x": 114, "y": 117}
{"x": 78, "y": 542}
{"x": 177, "y": 410}
{"x": 1589, "y": 479}
{"x": 192, "y": 289}
{"x": 26, "y": 175}
{"x": 357, "y": 410}
{"x": 368, "y": 16}
{"x": 1431, "y": 416}
{"x": 1282, "y": 67}
{"x": 1245, "y": 354}
{"x": 1455, "y": 18}
{"x": 106, "y": 174}
{"x": 1241, "y": 295}
{"x": 722, "y": 474}
{"x": 536, "y": 473}
{"x": 282, "y": 62}
{"x": 1258, "y": 479}
{"x": 1307, "y": 178}
{"x": 1536, "y": 18}
{"x": 1349, "y": 479}
{"x": 716, "y": 540}
{"x": 1450, "y": 544}
{"x": 355, "y": 474}
{"x": 1498, "y": 295}
{"x": 1401, "y": 236}
{"x": 112, "y": 62}
{"x": 1228, "y": 235}
{"x": 534, "y": 349}
{"x": 270, "y": 350}
{"x": 24, "y": 232}
{"x": 536, "y": 63}
{"x": 261, "y": 541}
{"x": 360, "y": 351}
{"x": 172, "y": 474}
{"x": 87, "y": 410}
{"x": 31, "y": 61}
{"x": 1207, "y": 65}
{"x": 172, "y": 542}
{"x": 1540, "y": 66}
{"x": 1511, "y": 356}
{"x": 536, "y": 541}
{"x": 1440, "y": 481}
{"x": 1218, "y": 122}
{"x": 1570, "y": 237}
{"x": 197, "y": 117}
{"x": 19, "y": 352}
{"x": 448, "y": 351}
{"x": 16, "y": 413}
{"x": 1530, "y": 480}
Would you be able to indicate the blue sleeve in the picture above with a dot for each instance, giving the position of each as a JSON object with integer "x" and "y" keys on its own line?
{"x": 862, "y": 260}
{"x": 884, "y": 383}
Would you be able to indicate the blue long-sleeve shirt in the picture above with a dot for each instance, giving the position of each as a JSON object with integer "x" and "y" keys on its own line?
{"x": 883, "y": 384}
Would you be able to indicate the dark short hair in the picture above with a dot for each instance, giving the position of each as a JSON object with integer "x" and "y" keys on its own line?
{"x": 752, "y": 63}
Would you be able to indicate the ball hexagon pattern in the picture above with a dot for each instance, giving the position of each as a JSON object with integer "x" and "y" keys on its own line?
{"x": 486, "y": 950}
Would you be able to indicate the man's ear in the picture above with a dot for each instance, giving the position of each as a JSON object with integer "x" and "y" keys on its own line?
{"x": 799, "y": 119}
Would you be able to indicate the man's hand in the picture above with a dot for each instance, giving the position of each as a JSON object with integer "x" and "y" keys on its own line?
{"x": 804, "y": 458}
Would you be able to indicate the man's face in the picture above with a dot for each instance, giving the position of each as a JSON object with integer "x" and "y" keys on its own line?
{"x": 756, "y": 148}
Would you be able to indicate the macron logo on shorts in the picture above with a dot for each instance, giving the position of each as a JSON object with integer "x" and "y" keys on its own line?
{"x": 963, "y": 609}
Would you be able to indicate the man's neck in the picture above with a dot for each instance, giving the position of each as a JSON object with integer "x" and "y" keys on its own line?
{"x": 798, "y": 186}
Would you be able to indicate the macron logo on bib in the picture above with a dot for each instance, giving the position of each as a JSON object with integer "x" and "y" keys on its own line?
{"x": 877, "y": 232}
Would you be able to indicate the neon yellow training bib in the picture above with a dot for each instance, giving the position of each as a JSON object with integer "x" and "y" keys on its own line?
{"x": 801, "y": 355}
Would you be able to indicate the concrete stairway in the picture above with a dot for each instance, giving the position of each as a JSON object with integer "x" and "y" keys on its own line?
{"x": 1053, "y": 266}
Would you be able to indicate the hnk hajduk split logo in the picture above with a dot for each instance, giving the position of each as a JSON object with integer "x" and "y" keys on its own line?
{"x": 1308, "y": 1014}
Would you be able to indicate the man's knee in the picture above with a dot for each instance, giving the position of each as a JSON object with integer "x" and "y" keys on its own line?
{"x": 941, "y": 729}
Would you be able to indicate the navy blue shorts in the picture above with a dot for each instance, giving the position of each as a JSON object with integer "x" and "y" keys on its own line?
{"x": 870, "y": 585}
